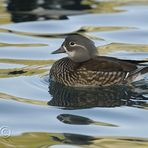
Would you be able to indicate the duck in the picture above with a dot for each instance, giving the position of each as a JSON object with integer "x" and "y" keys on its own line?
{"x": 84, "y": 67}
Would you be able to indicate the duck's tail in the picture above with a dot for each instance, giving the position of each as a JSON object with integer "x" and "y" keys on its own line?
{"x": 144, "y": 70}
{"x": 139, "y": 74}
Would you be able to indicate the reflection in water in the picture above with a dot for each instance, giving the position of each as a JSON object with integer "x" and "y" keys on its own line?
{"x": 16, "y": 6}
{"x": 15, "y": 72}
{"x": 73, "y": 119}
{"x": 31, "y": 10}
{"x": 38, "y": 139}
{"x": 75, "y": 139}
{"x": 68, "y": 4}
{"x": 75, "y": 98}
{"x": 102, "y": 142}
{"x": 80, "y": 120}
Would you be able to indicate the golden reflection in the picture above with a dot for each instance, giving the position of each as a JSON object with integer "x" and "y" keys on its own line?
{"x": 7, "y": 73}
{"x": 27, "y": 62}
{"x": 31, "y": 67}
{"x": 122, "y": 47}
{"x": 4, "y": 15}
{"x": 111, "y": 6}
{"x": 97, "y": 7}
{"x": 29, "y": 140}
{"x": 23, "y": 100}
{"x": 40, "y": 139}
{"x": 119, "y": 143}
{"x": 21, "y": 45}
{"x": 111, "y": 28}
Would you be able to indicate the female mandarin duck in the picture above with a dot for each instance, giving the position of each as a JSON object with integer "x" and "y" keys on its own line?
{"x": 84, "y": 68}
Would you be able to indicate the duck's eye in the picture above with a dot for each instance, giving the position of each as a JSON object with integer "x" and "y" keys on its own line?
{"x": 72, "y": 43}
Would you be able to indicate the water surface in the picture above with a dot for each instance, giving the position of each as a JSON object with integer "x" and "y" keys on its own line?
{"x": 34, "y": 113}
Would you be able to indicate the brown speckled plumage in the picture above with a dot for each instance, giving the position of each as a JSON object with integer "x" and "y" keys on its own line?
{"x": 92, "y": 72}
{"x": 67, "y": 72}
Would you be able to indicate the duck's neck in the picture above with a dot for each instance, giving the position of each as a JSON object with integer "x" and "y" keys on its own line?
{"x": 80, "y": 59}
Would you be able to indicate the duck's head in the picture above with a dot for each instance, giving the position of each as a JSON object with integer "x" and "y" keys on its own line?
{"x": 78, "y": 48}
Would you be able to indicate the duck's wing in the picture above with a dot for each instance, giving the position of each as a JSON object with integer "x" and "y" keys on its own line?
{"x": 113, "y": 69}
{"x": 137, "y": 62}
{"x": 108, "y": 64}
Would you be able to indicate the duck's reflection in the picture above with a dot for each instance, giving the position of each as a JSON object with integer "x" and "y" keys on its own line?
{"x": 76, "y": 98}
{"x": 31, "y": 10}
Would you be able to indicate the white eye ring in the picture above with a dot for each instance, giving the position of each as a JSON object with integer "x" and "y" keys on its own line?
{"x": 72, "y": 43}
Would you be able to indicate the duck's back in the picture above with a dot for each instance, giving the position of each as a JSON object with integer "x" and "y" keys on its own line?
{"x": 99, "y": 71}
{"x": 105, "y": 71}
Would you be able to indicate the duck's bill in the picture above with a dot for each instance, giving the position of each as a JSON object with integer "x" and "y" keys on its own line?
{"x": 60, "y": 50}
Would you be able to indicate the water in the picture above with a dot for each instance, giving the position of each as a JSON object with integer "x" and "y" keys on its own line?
{"x": 34, "y": 113}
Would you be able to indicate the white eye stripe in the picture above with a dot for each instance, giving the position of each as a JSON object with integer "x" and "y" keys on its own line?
{"x": 70, "y": 53}
{"x": 81, "y": 46}
{"x": 65, "y": 48}
{"x": 75, "y": 45}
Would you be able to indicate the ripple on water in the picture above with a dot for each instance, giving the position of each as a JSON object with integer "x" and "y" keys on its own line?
{"x": 31, "y": 87}
{"x": 44, "y": 27}
{"x": 125, "y": 36}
